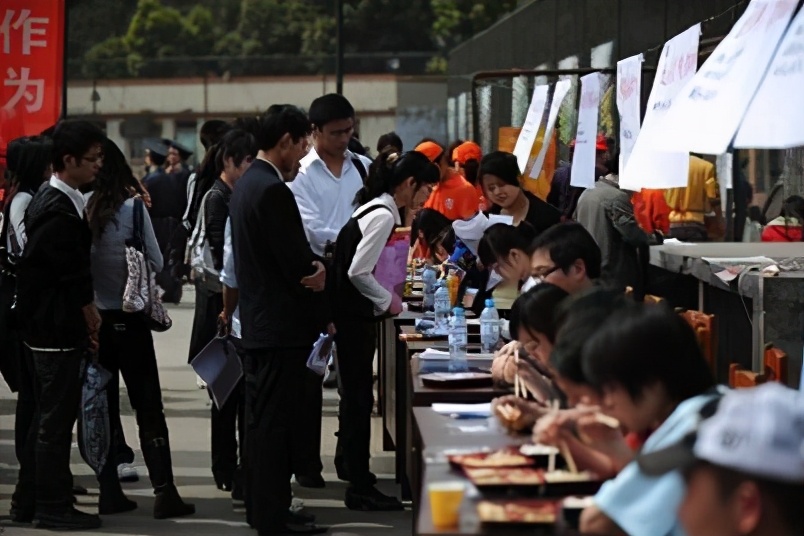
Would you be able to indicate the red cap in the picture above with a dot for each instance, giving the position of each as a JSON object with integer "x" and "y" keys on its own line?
{"x": 601, "y": 144}
{"x": 467, "y": 151}
{"x": 430, "y": 149}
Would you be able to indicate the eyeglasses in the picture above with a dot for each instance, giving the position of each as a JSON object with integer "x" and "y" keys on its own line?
{"x": 544, "y": 273}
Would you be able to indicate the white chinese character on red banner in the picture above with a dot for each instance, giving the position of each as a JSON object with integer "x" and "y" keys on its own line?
{"x": 34, "y": 30}
{"x": 33, "y": 91}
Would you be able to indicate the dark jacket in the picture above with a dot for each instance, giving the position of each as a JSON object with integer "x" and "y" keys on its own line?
{"x": 273, "y": 256}
{"x": 541, "y": 215}
{"x": 54, "y": 281}
{"x": 607, "y": 213}
{"x": 216, "y": 212}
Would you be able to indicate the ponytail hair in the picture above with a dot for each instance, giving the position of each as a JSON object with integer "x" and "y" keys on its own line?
{"x": 392, "y": 168}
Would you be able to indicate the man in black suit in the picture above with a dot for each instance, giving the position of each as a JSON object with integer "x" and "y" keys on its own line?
{"x": 282, "y": 311}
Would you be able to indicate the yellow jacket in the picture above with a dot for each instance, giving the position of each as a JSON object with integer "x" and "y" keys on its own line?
{"x": 690, "y": 204}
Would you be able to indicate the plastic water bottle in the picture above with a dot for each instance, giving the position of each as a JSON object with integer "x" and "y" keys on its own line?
{"x": 489, "y": 327}
{"x": 457, "y": 341}
{"x": 429, "y": 278}
{"x": 441, "y": 305}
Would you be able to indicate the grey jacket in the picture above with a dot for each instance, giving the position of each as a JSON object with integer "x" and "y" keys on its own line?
{"x": 607, "y": 213}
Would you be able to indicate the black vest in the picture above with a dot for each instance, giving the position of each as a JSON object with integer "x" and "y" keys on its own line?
{"x": 347, "y": 302}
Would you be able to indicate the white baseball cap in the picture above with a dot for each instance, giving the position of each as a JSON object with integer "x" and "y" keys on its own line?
{"x": 757, "y": 431}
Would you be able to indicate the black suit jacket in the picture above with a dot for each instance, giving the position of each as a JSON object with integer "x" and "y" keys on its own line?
{"x": 272, "y": 255}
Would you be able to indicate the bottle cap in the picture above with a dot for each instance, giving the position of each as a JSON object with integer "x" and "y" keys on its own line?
{"x": 458, "y": 311}
{"x": 489, "y": 302}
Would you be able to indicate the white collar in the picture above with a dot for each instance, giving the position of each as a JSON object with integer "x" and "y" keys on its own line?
{"x": 278, "y": 173}
{"x": 312, "y": 156}
{"x": 75, "y": 196}
{"x": 389, "y": 201}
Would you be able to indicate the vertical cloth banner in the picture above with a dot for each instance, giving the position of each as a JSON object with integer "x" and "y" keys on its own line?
{"x": 629, "y": 91}
{"x": 530, "y": 129}
{"x": 769, "y": 123}
{"x": 31, "y": 66}
{"x": 583, "y": 160}
{"x": 559, "y": 94}
{"x": 710, "y": 108}
{"x": 651, "y": 164}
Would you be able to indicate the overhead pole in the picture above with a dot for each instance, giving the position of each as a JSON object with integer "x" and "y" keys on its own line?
{"x": 339, "y": 47}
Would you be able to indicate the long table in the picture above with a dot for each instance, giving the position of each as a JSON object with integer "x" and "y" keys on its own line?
{"x": 435, "y": 436}
{"x": 752, "y": 310}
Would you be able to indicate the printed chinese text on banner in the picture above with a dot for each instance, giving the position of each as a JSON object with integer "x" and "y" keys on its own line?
{"x": 560, "y": 92}
{"x": 530, "y": 129}
{"x": 629, "y": 90}
{"x": 583, "y": 160}
{"x": 32, "y": 52}
{"x": 710, "y": 108}
{"x": 651, "y": 164}
{"x": 775, "y": 118}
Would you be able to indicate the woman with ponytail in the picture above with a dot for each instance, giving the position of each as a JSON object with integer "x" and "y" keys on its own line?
{"x": 359, "y": 301}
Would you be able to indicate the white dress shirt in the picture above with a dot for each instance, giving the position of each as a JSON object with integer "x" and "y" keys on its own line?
{"x": 376, "y": 228}
{"x": 16, "y": 219}
{"x": 228, "y": 274}
{"x": 326, "y": 202}
{"x": 75, "y": 196}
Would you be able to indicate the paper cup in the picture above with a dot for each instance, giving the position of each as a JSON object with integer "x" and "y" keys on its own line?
{"x": 445, "y": 502}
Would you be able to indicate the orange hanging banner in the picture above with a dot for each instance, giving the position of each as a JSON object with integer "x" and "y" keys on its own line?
{"x": 31, "y": 67}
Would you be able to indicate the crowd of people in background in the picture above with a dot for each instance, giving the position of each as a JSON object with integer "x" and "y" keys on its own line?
{"x": 280, "y": 229}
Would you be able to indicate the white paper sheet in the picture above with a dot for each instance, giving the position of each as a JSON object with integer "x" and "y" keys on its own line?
{"x": 651, "y": 164}
{"x": 463, "y": 409}
{"x": 766, "y": 125}
{"x": 500, "y": 218}
{"x": 583, "y": 160}
{"x": 738, "y": 260}
{"x": 629, "y": 92}
{"x": 559, "y": 94}
{"x": 527, "y": 136}
{"x": 710, "y": 108}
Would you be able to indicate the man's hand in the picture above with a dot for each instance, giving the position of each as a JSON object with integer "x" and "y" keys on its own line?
{"x": 92, "y": 318}
{"x": 317, "y": 281}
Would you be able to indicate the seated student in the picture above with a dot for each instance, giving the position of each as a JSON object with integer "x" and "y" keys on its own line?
{"x": 744, "y": 466}
{"x": 567, "y": 256}
{"x": 505, "y": 249}
{"x": 646, "y": 363}
{"x": 499, "y": 176}
{"x": 427, "y": 230}
{"x": 788, "y": 226}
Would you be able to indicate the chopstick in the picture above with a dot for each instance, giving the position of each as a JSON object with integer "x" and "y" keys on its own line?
{"x": 611, "y": 422}
{"x": 517, "y": 380}
{"x": 551, "y": 462}
{"x": 565, "y": 451}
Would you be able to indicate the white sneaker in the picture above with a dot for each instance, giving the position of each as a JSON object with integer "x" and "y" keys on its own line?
{"x": 127, "y": 473}
{"x": 296, "y": 505}
{"x": 199, "y": 382}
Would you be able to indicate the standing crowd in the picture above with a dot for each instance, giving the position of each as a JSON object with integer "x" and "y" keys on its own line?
{"x": 280, "y": 229}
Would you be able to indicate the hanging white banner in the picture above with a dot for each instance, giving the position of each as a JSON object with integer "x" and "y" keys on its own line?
{"x": 562, "y": 88}
{"x": 583, "y": 160}
{"x": 769, "y": 122}
{"x": 651, "y": 165}
{"x": 527, "y": 136}
{"x": 710, "y": 108}
{"x": 629, "y": 91}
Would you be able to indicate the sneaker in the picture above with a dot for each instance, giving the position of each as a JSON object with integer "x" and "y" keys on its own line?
{"x": 371, "y": 500}
{"x": 331, "y": 378}
{"x": 199, "y": 382}
{"x": 127, "y": 473}
{"x": 72, "y": 519}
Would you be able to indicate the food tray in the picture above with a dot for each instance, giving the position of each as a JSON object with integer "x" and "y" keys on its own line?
{"x": 508, "y": 457}
{"x": 534, "y": 481}
{"x": 518, "y": 512}
{"x": 457, "y": 380}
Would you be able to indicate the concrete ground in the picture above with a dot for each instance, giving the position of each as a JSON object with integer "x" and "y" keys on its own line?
{"x": 187, "y": 411}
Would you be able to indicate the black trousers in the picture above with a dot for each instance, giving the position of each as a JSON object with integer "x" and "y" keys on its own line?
{"x": 25, "y": 427}
{"x": 308, "y": 432}
{"x": 45, "y": 482}
{"x": 356, "y": 341}
{"x": 229, "y": 431}
{"x": 274, "y": 399}
{"x": 127, "y": 348}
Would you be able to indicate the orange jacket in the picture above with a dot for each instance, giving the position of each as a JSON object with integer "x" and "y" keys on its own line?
{"x": 651, "y": 211}
{"x": 455, "y": 198}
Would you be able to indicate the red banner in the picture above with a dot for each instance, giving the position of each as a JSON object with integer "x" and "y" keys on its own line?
{"x": 31, "y": 67}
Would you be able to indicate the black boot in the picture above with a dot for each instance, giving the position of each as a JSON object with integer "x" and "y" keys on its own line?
{"x": 112, "y": 500}
{"x": 160, "y": 469}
